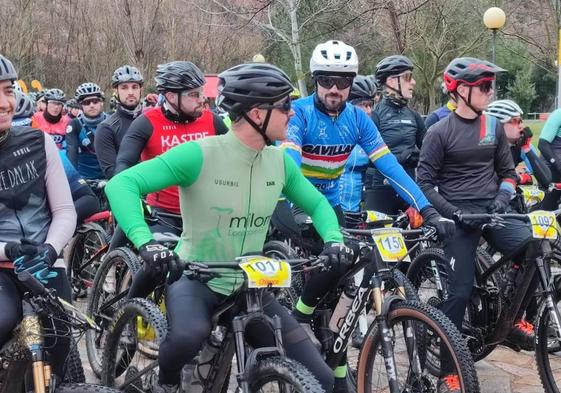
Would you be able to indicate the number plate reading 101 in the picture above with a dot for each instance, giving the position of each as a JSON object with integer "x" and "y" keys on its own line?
{"x": 544, "y": 225}
{"x": 391, "y": 245}
{"x": 263, "y": 272}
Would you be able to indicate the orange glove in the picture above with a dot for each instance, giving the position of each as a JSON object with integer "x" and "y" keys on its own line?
{"x": 415, "y": 218}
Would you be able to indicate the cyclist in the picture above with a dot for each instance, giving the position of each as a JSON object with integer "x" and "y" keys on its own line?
{"x": 40, "y": 101}
{"x": 401, "y": 128}
{"x": 127, "y": 82}
{"x": 443, "y": 111}
{"x": 466, "y": 166}
{"x": 510, "y": 114}
{"x": 229, "y": 186}
{"x": 362, "y": 96}
{"x": 81, "y": 132}
{"x": 24, "y": 110}
{"x": 180, "y": 119}
{"x": 37, "y": 214}
{"x": 320, "y": 138}
{"x": 73, "y": 109}
{"x": 52, "y": 120}
{"x": 550, "y": 147}
{"x": 85, "y": 201}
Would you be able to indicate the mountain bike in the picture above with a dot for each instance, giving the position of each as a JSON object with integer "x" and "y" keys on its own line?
{"x": 393, "y": 356}
{"x": 496, "y": 301}
{"x": 24, "y": 359}
{"x": 127, "y": 368}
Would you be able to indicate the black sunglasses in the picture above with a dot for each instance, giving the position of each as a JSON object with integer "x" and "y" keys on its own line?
{"x": 327, "y": 82}
{"x": 283, "y": 106}
{"x": 486, "y": 86}
{"x": 91, "y": 101}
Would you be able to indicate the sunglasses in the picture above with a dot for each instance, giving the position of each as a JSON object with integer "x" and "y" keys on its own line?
{"x": 365, "y": 103}
{"x": 284, "y": 106}
{"x": 485, "y": 87}
{"x": 327, "y": 82}
{"x": 93, "y": 101}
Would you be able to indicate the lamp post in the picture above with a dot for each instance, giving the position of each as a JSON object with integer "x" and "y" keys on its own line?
{"x": 494, "y": 19}
{"x": 258, "y": 58}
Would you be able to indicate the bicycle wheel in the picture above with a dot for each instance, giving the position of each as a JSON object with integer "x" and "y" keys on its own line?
{"x": 84, "y": 258}
{"x": 74, "y": 372}
{"x": 413, "y": 322}
{"x": 279, "y": 374}
{"x": 548, "y": 347}
{"x": 124, "y": 365}
{"x": 113, "y": 277}
{"x": 287, "y": 297}
{"x": 428, "y": 274}
{"x": 84, "y": 388}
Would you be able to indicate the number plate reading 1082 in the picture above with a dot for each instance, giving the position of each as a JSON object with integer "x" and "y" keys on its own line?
{"x": 263, "y": 272}
{"x": 391, "y": 246}
{"x": 544, "y": 224}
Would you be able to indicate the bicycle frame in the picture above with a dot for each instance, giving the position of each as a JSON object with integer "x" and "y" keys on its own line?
{"x": 538, "y": 252}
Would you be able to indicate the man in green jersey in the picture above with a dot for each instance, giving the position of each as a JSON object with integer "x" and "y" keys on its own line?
{"x": 228, "y": 187}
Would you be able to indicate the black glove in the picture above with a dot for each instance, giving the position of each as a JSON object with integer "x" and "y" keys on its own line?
{"x": 525, "y": 137}
{"x": 338, "y": 254}
{"x": 30, "y": 249}
{"x": 501, "y": 202}
{"x": 161, "y": 260}
{"x": 445, "y": 228}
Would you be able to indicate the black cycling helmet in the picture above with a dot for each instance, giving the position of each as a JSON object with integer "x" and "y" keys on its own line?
{"x": 7, "y": 70}
{"x": 391, "y": 66}
{"x": 178, "y": 76}
{"x": 55, "y": 95}
{"x": 24, "y": 106}
{"x": 364, "y": 88}
{"x": 246, "y": 85}
{"x": 88, "y": 89}
{"x": 126, "y": 73}
{"x": 469, "y": 71}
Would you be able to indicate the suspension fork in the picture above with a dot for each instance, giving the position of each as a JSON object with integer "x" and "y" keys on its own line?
{"x": 31, "y": 335}
{"x": 387, "y": 339}
{"x": 549, "y": 290}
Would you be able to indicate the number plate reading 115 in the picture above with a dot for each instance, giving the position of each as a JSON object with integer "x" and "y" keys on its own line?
{"x": 391, "y": 245}
{"x": 263, "y": 272}
{"x": 544, "y": 225}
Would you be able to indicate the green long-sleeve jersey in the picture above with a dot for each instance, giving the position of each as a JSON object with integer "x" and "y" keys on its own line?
{"x": 228, "y": 192}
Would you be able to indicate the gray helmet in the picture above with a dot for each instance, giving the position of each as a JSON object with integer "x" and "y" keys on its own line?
{"x": 7, "y": 70}
{"x": 469, "y": 71}
{"x": 24, "y": 106}
{"x": 55, "y": 95}
{"x": 364, "y": 88}
{"x": 246, "y": 85}
{"x": 88, "y": 89}
{"x": 391, "y": 66}
{"x": 126, "y": 73}
{"x": 72, "y": 103}
{"x": 178, "y": 76}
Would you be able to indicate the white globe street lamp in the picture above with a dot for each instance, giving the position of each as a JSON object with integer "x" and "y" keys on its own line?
{"x": 494, "y": 19}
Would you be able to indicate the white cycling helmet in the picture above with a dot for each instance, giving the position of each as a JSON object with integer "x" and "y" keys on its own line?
{"x": 334, "y": 57}
{"x": 504, "y": 110}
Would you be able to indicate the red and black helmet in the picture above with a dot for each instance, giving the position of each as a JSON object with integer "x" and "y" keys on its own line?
{"x": 469, "y": 71}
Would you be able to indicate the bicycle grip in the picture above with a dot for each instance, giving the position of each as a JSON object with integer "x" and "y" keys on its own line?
{"x": 31, "y": 283}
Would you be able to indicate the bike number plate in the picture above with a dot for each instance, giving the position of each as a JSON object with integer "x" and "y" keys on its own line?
{"x": 263, "y": 272}
{"x": 391, "y": 246}
{"x": 544, "y": 225}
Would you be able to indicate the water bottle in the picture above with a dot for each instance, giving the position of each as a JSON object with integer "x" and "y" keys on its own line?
{"x": 340, "y": 312}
